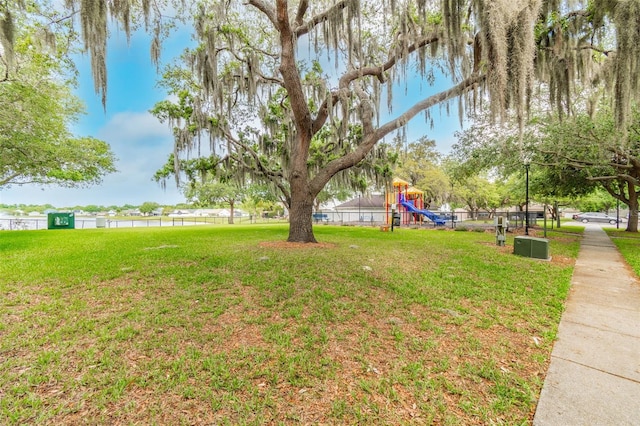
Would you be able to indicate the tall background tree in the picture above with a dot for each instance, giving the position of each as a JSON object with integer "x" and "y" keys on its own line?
{"x": 209, "y": 181}
{"x": 421, "y": 164}
{"x": 37, "y": 107}
{"x": 571, "y": 157}
{"x": 594, "y": 149}
{"x": 148, "y": 207}
{"x": 209, "y": 192}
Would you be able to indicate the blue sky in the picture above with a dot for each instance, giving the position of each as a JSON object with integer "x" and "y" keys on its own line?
{"x": 139, "y": 141}
{"x": 142, "y": 144}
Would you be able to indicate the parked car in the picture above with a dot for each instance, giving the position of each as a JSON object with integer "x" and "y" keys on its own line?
{"x": 595, "y": 217}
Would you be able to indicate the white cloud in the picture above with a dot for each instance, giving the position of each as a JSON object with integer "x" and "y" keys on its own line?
{"x": 141, "y": 143}
{"x": 134, "y": 128}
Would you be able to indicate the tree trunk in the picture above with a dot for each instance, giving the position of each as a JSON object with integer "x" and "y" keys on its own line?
{"x": 632, "y": 224}
{"x": 300, "y": 213}
{"x": 231, "y": 212}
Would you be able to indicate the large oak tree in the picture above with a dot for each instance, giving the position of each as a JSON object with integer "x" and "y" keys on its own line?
{"x": 253, "y": 53}
{"x": 491, "y": 49}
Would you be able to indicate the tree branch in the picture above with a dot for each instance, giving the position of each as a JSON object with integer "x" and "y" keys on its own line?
{"x": 268, "y": 10}
{"x": 467, "y": 84}
{"x": 621, "y": 176}
{"x": 64, "y": 18}
{"x": 357, "y": 155}
{"x": 7, "y": 180}
{"x": 303, "y": 29}
{"x": 302, "y": 10}
{"x": 356, "y": 73}
{"x": 271, "y": 175}
{"x": 242, "y": 59}
{"x": 590, "y": 46}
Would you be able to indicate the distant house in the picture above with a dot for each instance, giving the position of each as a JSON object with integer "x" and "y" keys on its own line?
{"x": 227, "y": 213}
{"x": 362, "y": 209}
{"x": 206, "y": 212}
{"x": 181, "y": 212}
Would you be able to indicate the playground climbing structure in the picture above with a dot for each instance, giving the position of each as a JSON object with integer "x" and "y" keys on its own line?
{"x": 409, "y": 203}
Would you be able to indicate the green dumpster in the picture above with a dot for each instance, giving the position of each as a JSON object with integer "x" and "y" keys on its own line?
{"x": 61, "y": 221}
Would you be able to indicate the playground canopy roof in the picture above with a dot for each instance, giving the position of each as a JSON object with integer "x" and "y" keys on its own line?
{"x": 400, "y": 182}
{"x": 414, "y": 190}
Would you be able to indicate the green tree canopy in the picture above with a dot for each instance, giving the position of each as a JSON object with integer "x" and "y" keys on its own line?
{"x": 209, "y": 180}
{"x": 37, "y": 108}
{"x": 209, "y": 192}
{"x": 594, "y": 150}
{"x": 421, "y": 164}
{"x": 148, "y": 206}
{"x": 598, "y": 201}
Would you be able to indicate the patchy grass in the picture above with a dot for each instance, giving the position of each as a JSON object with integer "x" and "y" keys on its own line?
{"x": 230, "y": 325}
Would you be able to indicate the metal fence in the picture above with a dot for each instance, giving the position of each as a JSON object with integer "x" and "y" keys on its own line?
{"x": 361, "y": 218}
{"x": 374, "y": 218}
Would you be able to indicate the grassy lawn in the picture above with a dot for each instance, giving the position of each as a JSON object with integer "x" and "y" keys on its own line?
{"x": 629, "y": 246}
{"x": 229, "y": 325}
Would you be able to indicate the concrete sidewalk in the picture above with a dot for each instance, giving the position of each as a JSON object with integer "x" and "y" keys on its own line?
{"x": 594, "y": 375}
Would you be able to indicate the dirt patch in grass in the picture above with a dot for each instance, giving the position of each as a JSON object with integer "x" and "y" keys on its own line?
{"x": 295, "y": 246}
{"x": 555, "y": 259}
{"x": 384, "y": 363}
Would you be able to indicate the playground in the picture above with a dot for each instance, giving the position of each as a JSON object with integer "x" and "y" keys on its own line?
{"x": 405, "y": 204}
{"x": 409, "y": 206}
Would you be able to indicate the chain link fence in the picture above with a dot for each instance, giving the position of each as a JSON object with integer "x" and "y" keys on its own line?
{"x": 361, "y": 218}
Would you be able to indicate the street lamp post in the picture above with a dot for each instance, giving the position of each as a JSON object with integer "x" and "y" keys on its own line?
{"x": 526, "y": 206}
{"x": 453, "y": 224}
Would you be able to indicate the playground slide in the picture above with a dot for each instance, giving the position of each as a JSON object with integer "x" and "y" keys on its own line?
{"x": 426, "y": 213}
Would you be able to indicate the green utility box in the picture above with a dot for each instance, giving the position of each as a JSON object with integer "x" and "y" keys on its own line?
{"x": 61, "y": 221}
{"x": 522, "y": 246}
{"x": 538, "y": 248}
